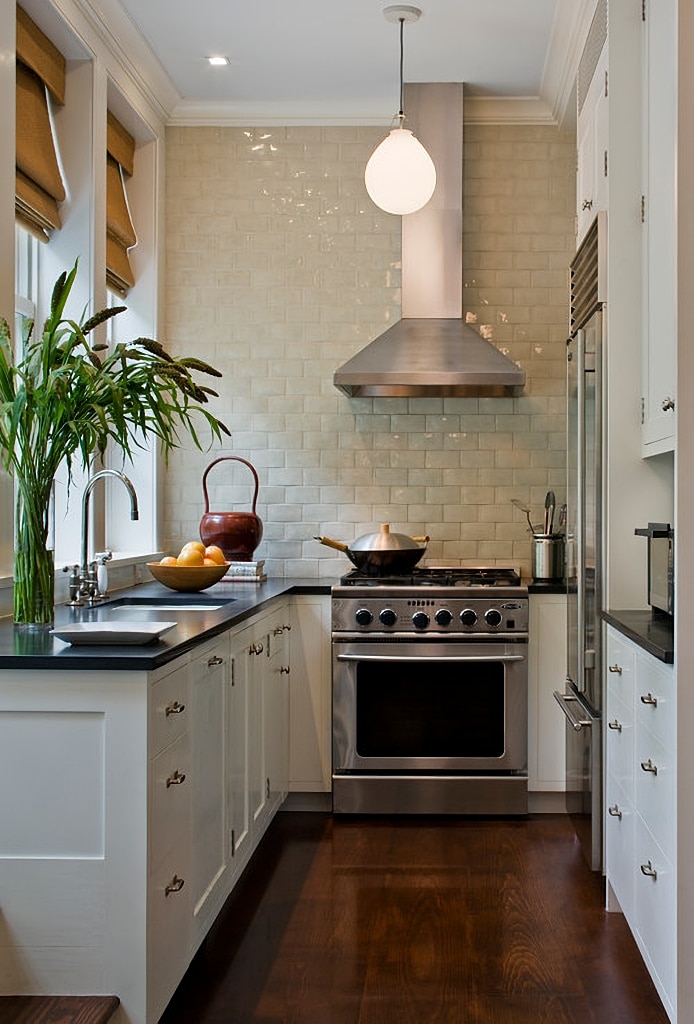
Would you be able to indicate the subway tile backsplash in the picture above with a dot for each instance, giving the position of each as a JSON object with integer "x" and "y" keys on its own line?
{"x": 279, "y": 268}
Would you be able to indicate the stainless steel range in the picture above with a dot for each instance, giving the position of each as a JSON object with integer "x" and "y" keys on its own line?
{"x": 430, "y": 692}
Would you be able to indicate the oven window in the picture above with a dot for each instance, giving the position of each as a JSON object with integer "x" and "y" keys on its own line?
{"x": 430, "y": 710}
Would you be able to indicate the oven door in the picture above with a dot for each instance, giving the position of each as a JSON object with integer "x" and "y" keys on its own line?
{"x": 429, "y": 706}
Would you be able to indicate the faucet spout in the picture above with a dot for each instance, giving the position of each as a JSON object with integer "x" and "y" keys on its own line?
{"x": 134, "y": 512}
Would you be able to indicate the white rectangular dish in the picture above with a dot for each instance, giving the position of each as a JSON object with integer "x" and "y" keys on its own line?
{"x": 112, "y": 633}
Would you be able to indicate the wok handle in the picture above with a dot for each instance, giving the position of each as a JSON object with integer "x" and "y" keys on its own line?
{"x": 421, "y": 540}
{"x": 337, "y": 544}
{"x": 229, "y": 458}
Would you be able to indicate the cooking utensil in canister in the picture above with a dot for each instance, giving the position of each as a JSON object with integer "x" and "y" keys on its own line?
{"x": 238, "y": 534}
{"x": 550, "y": 503}
{"x": 524, "y": 508}
{"x": 381, "y": 553}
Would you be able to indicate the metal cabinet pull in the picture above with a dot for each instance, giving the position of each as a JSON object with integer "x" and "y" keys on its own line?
{"x": 617, "y": 726}
{"x": 256, "y": 648}
{"x": 174, "y": 709}
{"x": 214, "y": 661}
{"x": 648, "y": 870}
{"x": 284, "y": 670}
{"x": 176, "y": 779}
{"x": 668, "y": 404}
{"x": 587, "y": 204}
{"x": 175, "y": 885}
{"x": 615, "y": 668}
{"x": 615, "y": 811}
{"x": 648, "y": 698}
{"x": 648, "y": 766}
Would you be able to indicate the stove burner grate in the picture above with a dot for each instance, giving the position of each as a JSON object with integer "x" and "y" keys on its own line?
{"x": 439, "y": 576}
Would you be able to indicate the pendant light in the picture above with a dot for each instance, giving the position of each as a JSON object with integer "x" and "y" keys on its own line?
{"x": 400, "y": 176}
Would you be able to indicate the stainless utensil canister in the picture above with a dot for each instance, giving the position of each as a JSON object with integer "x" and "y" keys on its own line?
{"x": 548, "y": 556}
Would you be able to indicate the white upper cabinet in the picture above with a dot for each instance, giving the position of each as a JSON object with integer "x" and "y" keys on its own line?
{"x": 659, "y": 348}
{"x": 592, "y": 137}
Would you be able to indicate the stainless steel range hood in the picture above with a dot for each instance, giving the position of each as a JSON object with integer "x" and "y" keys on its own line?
{"x": 432, "y": 351}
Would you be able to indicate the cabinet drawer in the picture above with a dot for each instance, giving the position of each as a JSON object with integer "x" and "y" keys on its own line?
{"x": 619, "y": 744}
{"x": 169, "y": 795}
{"x": 168, "y": 709}
{"x": 655, "y": 903}
{"x": 619, "y": 668}
{"x": 619, "y": 846}
{"x": 654, "y": 790}
{"x": 654, "y": 703}
{"x": 169, "y": 933}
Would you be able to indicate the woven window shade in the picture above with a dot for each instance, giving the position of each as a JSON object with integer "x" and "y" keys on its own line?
{"x": 38, "y": 182}
{"x": 120, "y": 233}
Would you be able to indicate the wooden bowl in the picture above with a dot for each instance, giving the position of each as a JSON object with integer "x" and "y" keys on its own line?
{"x": 188, "y": 578}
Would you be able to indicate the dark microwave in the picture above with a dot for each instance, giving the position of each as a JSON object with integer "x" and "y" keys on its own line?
{"x": 661, "y": 566}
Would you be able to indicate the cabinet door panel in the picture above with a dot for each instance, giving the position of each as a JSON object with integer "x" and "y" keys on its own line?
{"x": 208, "y": 709}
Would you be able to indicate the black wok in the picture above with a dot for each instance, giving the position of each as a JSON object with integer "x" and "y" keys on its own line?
{"x": 382, "y": 553}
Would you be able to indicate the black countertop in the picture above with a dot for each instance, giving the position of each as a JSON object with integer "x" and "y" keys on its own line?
{"x": 20, "y": 649}
{"x": 653, "y": 633}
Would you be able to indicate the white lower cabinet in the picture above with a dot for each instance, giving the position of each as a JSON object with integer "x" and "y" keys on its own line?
{"x": 641, "y": 803}
{"x": 142, "y": 797}
{"x": 546, "y": 673}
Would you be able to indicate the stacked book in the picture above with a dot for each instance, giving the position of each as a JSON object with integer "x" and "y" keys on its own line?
{"x": 247, "y": 571}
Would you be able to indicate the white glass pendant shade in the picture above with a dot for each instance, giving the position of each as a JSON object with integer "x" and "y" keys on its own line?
{"x": 400, "y": 176}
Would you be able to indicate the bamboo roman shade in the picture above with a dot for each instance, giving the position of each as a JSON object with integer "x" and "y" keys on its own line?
{"x": 120, "y": 233}
{"x": 40, "y": 70}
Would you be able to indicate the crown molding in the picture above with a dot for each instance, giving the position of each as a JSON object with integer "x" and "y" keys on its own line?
{"x": 569, "y": 33}
{"x": 507, "y": 110}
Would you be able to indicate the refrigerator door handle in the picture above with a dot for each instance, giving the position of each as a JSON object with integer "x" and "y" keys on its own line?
{"x": 566, "y": 702}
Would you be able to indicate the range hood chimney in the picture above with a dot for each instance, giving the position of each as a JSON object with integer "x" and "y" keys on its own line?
{"x": 432, "y": 351}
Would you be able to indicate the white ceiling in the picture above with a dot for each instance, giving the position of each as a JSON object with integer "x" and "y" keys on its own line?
{"x": 337, "y": 61}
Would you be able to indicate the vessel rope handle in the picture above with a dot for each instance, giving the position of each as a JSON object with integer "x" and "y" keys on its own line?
{"x": 230, "y": 458}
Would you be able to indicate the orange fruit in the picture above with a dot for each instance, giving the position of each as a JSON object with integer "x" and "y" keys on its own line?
{"x": 168, "y": 560}
{"x": 190, "y": 556}
{"x": 215, "y": 554}
{"x": 197, "y": 544}
{"x": 210, "y": 561}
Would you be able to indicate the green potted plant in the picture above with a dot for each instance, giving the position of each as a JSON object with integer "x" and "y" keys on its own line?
{"x": 63, "y": 397}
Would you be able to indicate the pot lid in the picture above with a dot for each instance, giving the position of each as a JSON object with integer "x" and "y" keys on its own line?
{"x": 384, "y": 540}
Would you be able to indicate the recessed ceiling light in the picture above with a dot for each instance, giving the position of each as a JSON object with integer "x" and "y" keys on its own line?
{"x": 218, "y": 62}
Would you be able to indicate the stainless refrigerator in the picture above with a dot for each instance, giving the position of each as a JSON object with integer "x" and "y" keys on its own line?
{"x": 582, "y": 697}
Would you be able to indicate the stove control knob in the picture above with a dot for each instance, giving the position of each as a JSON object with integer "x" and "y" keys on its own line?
{"x": 468, "y": 617}
{"x": 388, "y": 617}
{"x": 420, "y": 620}
{"x": 363, "y": 617}
{"x": 443, "y": 617}
{"x": 492, "y": 617}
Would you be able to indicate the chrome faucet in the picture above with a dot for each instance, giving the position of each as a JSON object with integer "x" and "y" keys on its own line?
{"x": 84, "y": 580}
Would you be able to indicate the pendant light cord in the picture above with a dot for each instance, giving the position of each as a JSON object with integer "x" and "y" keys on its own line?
{"x": 401, "y": 113}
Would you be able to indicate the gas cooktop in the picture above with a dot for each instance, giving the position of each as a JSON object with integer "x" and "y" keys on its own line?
{"x": 438, "y": 576}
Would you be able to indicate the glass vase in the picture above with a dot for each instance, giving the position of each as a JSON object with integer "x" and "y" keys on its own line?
{"x": 34, "y": 565}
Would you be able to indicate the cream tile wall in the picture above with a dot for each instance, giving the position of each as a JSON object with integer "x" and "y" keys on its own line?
{"x": 280, "y": 268}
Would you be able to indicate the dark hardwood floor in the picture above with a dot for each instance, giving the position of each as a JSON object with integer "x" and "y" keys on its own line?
{"x": 417, "y": 921}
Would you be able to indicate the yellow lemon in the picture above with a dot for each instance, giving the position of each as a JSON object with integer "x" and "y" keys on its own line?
{"x": 197, "y": 544}
{"x": 168, "y": 560}
{"x": 190, "y": 556}
{"x": 215, "y": 554}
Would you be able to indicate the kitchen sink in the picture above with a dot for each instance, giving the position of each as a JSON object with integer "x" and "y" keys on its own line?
{"x": 168, "y": 604}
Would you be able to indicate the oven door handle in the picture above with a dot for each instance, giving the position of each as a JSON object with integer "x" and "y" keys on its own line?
{"x": 566, "y": 702}
{"x": 419, "y": 659}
